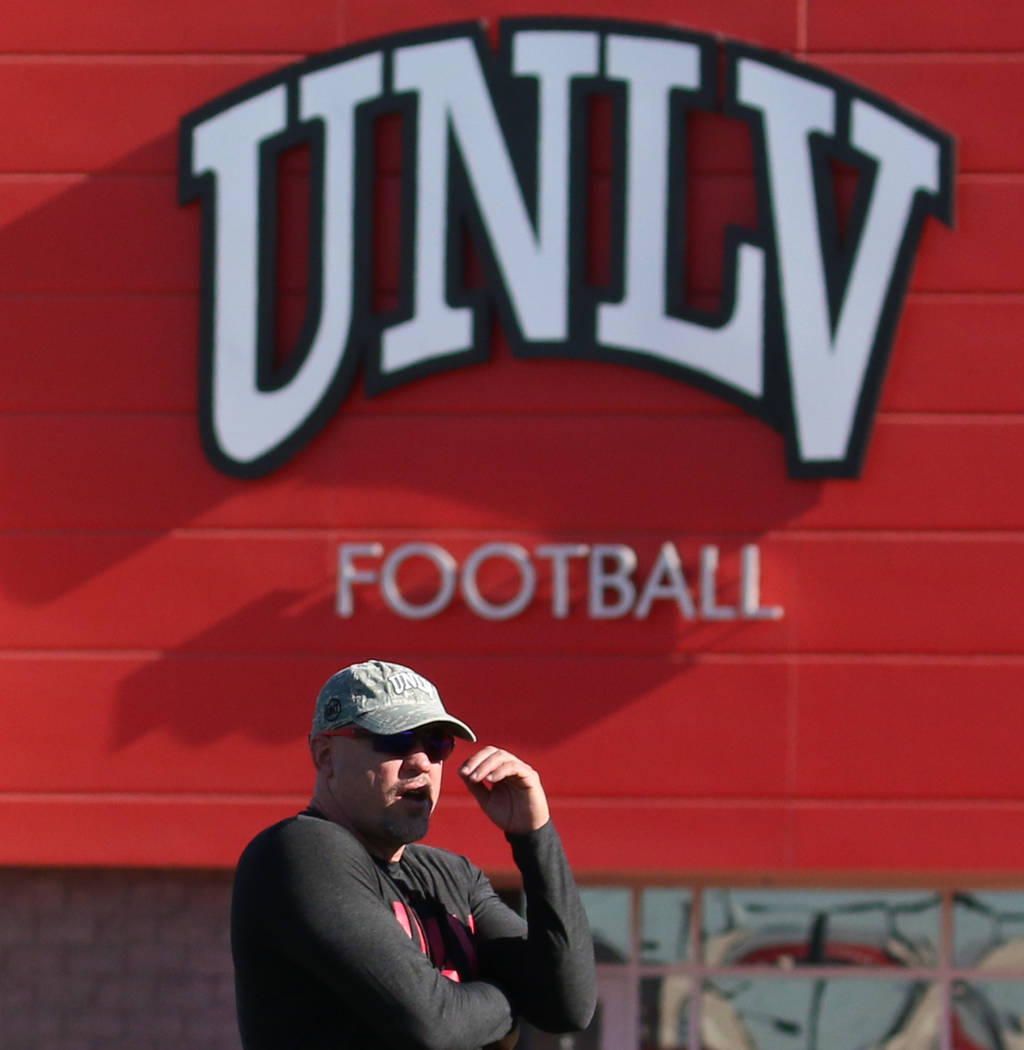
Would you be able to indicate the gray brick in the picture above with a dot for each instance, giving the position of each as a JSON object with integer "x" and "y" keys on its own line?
{"x": 35, "y": 960}
{"x": 160, "y": 1025}
{"x": 193, "y": 928}
{"x": 186, "y": 993}
{"x": 210, "y": 960}
{"x": 131, "y": 928}
{"x": 62, "y": 1042}
{"x": 131, "y": 993}
{"x": 66, "y": 927}
{"x": 115, "y": 960}
{"x": 17, "y": 996}
{"x": 206, "y": 1027}
{"x": 99, "y": 1024}
{"x": 70, "y": 994}
{"x": 157, "y": 895}
{"x": 96, "y": 960}
{"x": 48, "y": 893}
{"x": 16, "y": 925}
{"x": 155, "y": 957}
{"x": 29, "y": 1027}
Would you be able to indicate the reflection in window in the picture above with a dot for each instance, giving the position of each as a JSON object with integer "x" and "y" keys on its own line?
{"x": 792, "y": 1014}
{"x": 664, "y": 1012}
{"x": 815, "y": 928}
{"x": 988, "y": 1015}
{"x": 665, "y": 930}
{"x": 802, "y": 969}
{"x": 609, "y": 912}
{"x": 988, "y": 930}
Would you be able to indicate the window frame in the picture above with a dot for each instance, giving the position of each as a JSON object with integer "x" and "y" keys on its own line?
{"x": 945, "y": 974}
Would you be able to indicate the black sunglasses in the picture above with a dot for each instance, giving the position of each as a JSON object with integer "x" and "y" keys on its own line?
{"x": 436, "y": 744}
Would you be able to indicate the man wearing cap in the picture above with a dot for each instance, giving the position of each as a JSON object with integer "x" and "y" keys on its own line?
{"x": 347, "y": 935}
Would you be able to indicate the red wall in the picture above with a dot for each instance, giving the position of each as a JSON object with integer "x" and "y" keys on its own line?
{"x": 164, "y": 628}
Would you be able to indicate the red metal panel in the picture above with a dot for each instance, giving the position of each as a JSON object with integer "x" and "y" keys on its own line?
{"x": 98, "y": 353}
{"x": 150, "y": 473}
{"x": 773, "y": 25}
{"x": 505, "y": 385}
{"x": 903, "y": 25}
{"x": 197, "y": 831}
{"x": 88, "y": 471}
{"x": 207, "y": 592}
{"x": 185, "y": 831}
{"x": 631, "y": 728}
{"x": 149, "y": 97}
{"x": 917, "y": 593}
{"x": 213, "y": 721}
{"x": 625, "y": 728}
{"x": 132, "y": 590}
{"x": 159, "y": 251}
{"x": 909, "y": 728}
{"x": 957, "y": 354}
{"x": 145, "y": 472}
{"x": 113, "y": 26}
{"x": 191, "y": 617}
{"x": 929, "y": 472}
{"x": 612, "y": 835}
{"x": 897, "y": 838}
{"x": 980, "y": 254}
{"x": 949, "y": 91}
{"x": 124, "y": 353}
{"x": 99, "y": 249}
{"x": 211, "y": 831}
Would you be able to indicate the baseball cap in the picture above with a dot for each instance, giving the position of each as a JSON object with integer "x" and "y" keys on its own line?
{"x": 382, "y": 698}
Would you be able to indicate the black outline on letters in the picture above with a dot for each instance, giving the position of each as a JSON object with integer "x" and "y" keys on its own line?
{"x": 515, "y": 104}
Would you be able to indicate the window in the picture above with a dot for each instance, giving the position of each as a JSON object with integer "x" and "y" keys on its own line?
{"x": 803, "y": 969}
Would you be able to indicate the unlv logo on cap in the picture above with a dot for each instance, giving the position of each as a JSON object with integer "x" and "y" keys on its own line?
{"x": 803, "y": 334}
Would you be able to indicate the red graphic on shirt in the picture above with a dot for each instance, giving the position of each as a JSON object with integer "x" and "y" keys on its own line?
{"x": 433, "y": 943}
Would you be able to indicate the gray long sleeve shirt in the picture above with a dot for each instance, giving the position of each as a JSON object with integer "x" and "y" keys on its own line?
{"x": 335, "y": 950}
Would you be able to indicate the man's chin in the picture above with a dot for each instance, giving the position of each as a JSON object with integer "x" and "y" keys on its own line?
{"x": 409, "y": 828}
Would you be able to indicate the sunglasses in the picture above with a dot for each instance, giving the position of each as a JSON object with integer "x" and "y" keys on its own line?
{"x": 436, "y": 744}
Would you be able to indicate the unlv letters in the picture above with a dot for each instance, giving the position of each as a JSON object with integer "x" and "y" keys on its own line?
{"x": 499, "y": 140}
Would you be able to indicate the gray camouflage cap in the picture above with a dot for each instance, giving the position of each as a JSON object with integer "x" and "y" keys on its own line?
{"x": 382, "y": 698}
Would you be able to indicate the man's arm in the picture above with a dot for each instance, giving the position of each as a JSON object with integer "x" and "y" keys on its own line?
{"x": 551, "y": 973}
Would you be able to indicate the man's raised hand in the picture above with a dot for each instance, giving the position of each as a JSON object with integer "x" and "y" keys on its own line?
{"x": 508, "y": 790}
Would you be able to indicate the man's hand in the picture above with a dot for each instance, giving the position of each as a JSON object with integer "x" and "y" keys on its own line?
{"x": 508, "y": 790}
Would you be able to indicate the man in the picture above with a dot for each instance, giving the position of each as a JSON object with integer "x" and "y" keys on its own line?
{"x": 346, "y": 936}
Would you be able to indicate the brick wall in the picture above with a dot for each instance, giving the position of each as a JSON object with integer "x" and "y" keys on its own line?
{"x": 102, "y": 959}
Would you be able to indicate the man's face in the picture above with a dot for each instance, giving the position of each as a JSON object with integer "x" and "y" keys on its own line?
{"x": 385, "y": 800}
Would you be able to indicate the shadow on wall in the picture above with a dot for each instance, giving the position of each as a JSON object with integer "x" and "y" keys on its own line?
{"x": 119, "y": 535}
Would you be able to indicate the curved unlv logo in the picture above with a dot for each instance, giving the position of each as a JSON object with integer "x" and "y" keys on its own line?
{"x": 804, "y": 331}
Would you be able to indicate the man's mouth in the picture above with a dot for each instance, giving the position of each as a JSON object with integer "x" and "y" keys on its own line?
{"x": 416, "y": 794}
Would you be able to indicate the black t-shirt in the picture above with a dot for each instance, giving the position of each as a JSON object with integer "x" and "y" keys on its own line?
{"x": 335, "y": 950}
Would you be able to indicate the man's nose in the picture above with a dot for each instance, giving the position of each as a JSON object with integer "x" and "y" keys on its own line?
{"x": 418, "y": 759}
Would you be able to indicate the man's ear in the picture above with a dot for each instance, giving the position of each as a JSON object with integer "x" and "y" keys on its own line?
{"x": 320, "y": 750}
